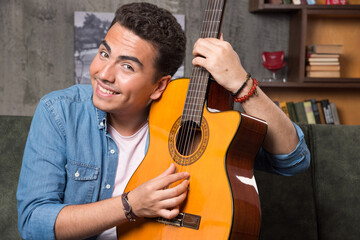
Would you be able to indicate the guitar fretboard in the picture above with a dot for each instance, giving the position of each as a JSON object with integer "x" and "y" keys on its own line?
{"x": 196, "y": 95}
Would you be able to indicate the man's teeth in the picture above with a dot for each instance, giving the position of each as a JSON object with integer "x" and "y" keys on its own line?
{"x": 106, "y": 91}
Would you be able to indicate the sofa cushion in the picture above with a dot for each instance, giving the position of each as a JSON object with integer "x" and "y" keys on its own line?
{"x": 287, "y": 204}
{"x": 336, "y": 173}
{"x": 13, "y": 132}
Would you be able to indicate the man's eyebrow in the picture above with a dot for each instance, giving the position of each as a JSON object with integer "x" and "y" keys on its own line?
{"x": 130, "y": 58}
{"x": 122, "y": 57}
{"x": 108, "y": 48}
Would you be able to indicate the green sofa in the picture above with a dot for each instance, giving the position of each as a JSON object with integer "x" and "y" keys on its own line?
{"x": 321, "y": 203}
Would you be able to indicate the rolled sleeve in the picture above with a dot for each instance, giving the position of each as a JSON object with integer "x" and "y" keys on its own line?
{"x": 285, "y": 164}
{"x": 40, "y": 229}
{"x": 42, "y": 178}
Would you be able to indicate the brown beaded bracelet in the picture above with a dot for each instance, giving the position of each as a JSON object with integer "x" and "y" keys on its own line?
{"x": 250, "y": 93}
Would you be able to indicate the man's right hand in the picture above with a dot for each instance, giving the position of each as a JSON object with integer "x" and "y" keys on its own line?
{"x": 154, "y": 199}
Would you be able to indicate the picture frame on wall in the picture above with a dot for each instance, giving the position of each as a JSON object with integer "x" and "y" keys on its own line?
{"x": 90, "y": 29}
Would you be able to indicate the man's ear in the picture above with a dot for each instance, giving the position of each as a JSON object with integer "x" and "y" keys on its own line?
{"x": 160, "y": 87}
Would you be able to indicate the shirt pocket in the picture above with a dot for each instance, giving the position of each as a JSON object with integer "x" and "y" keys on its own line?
{"x": 81, "y": 182}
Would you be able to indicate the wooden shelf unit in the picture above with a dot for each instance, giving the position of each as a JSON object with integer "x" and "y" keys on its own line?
{"x": 257, "y": 6}
{"x": 319, "y": 24}
{"x": 302, "y": 20}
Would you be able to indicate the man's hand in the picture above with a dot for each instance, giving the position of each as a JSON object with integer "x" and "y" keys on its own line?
{"x": 154, "y": 199}
{"x": 219, "y": 58}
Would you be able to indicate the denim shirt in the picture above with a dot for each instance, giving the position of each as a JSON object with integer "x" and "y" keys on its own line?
{"x": 70, "y": 158}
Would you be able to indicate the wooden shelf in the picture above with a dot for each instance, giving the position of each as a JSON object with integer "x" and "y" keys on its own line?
{"x": 319, "y": 24}
{"x": 258, "y": 6}
{"x": 315, "y": 83}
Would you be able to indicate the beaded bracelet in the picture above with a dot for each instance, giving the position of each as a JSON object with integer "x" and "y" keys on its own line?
{"x": 248, "y": 76}
{"x": 250, "y": 93}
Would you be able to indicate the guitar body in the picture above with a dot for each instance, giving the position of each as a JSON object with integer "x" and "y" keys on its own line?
{"x": 222, "y": 192}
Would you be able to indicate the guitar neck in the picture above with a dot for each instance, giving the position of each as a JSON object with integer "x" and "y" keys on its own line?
{"x": 199, "y": 79}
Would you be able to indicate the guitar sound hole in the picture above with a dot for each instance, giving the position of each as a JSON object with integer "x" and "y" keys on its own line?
{"x": 188, "y": 138}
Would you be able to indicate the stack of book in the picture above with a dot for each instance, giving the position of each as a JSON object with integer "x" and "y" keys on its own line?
{"x": 298, "y": 2}
{"x": 311, "y": 111}
{"x": 323, "y": 60}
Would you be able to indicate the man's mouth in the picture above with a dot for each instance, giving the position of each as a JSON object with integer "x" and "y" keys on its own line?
{"x": 106, "y": 91}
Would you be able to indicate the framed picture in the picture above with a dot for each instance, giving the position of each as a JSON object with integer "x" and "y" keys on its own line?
{"x": 90, "y": 29}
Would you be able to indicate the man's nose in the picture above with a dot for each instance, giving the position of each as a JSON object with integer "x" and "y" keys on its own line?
{"x": 107, "y": 72}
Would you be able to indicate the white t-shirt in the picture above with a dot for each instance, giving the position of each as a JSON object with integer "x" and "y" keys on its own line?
{"x": 131, "y": 153}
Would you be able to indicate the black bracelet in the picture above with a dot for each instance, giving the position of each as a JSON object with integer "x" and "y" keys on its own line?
{"x": 127, "y": 208}
{"x": 248, "y": 76}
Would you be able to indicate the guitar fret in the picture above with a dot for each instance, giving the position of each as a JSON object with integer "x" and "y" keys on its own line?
{"x": 210, "y": 32}
{"x": 193, "y": 104}
{"x": 196, "y": 90}
{"x": 194, "y": 112}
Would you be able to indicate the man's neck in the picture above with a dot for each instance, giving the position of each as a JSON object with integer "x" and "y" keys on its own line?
{"x": 127, "y": 125}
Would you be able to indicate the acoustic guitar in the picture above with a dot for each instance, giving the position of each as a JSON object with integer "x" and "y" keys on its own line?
{"x": 217, "y": 149}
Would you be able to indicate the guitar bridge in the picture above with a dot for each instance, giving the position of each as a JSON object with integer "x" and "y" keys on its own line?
{"x": 182, "y": 220}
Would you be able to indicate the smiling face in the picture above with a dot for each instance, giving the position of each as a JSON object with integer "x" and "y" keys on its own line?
{"x": 122, "y": 74}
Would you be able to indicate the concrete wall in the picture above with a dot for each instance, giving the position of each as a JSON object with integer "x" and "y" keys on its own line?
{"x": 37, "y": 42}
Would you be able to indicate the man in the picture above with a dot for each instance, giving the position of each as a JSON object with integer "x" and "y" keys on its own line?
{"x": 85, "y": 143}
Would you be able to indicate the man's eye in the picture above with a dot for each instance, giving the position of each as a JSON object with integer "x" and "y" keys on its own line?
{"x": 104, "y": 54}
{"x": 127, "y": 66}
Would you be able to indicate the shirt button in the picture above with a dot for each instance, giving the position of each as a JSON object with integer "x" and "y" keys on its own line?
{"x": 101, "y": 124}
{"x": 77, "y": 174}
{"x": 112, "y": 151}
{"x": 108, "y": 186}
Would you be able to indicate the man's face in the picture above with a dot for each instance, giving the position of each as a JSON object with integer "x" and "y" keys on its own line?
{"x": 122, "y": 73}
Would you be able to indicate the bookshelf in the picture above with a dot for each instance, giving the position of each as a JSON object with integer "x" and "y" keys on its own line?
{"x": 319, "y": 24}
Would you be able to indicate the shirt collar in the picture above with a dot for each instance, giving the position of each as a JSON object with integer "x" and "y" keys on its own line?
{"x": 101, "y": 119}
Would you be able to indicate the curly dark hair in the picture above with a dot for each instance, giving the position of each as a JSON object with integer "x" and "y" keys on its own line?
{"x": 158, "y": 26}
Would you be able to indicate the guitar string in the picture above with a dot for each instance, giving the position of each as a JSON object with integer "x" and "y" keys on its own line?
{"x": 210, "y": 22}
{"x": 202, "y": 79}
{"x": 199, "y": 90}
{"x": 194, "y": 91}
{"x": 186, "y": 117}
{"x": 197, "y": 71}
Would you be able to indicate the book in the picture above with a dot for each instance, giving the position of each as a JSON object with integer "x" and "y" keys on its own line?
{"x": 326, "y": 48}
{"x": 296, "y": 2}
{"x": 300, "y": 112}
{"x": 274, "y": 1}
{"x": 287, "y": 1}
{"x": 322, "y": 55}
{"x": 291, "y": 111}
{"x": 315, "y": 110}
{"x": 335, "y": 2}
{"x": 325, "y": 105}
{"x": 324, "y": 74}
{"x": 318, "y": 59}
{"x": 309, "y": 113}
{"x": 284, "y": 108}
{"x": 311, "y": 2}
{"x": 321, "y": 112}
{"x": 335, "y": 113}
{"x": 324, "y": 63}
{"x": 323, "y": 68}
